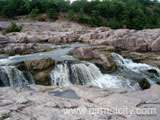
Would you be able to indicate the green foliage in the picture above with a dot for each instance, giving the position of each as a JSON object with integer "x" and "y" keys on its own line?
{"x": 52, "y": 14}
{"x": 82, "y": 18}
{"x": 70, "y": 15}
{"x": 95, "y": 18}
{"x": 34, "y": 13}
{"x": 134, "y": 14}
{"x": 113, "y": 24}
{"x": 13, "y": 27}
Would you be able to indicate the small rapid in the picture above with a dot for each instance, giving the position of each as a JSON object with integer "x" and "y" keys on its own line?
{"x": 128, "y": 68}
{"x": 129, "y": 74}
{"x": 85, "y": 73}
{"x": 11, "y": 76}
{"x": 69, "y": 71}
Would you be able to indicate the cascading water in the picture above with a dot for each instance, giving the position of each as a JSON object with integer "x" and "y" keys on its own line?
{"x": 60, "y": 75}
{"x": 11, "y": 76}
{"x": 127, "y": 66}
{"x": 84, "y": 73}
{"x": 87, "y": 74}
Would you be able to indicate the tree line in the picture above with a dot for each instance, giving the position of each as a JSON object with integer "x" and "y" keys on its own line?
{"x": 132, "y": 14}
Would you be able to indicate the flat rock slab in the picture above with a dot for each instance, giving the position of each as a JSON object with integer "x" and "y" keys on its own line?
{"x": 61, "y": 103}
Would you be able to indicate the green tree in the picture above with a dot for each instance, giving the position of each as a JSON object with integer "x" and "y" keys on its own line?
{"x": 96, "y": 18}
{"x": 52, "y": 14}
{"x": 82, "y": 18}
{"x": 34, "y": 13}
{"x": 70, "y": 15}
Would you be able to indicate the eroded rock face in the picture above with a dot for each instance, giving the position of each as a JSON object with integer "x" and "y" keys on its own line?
{"x": 65, "y": 32}
{"x": 40, "y": 69}
{"x": 42, "y": 103}
{"x": 44, "y": 37}
{"x": 143, "y": 41}
{"x": 100, "y": 55}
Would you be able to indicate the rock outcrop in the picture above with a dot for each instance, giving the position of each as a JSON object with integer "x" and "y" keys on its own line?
{"x": 90, "y": 103}
{"x": 44, "y": 37}
{"x": 22, "y": 48}
{"x": 99, "y": 55}
{"x": 40, "y": 69}
{"x": 143, "y": 40}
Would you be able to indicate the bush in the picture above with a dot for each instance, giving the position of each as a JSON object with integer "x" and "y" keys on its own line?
{"x": 13, "y": 27}
{"x": 70, "y": 15}
{"x": 82, "y": 18}
{"x": 95, "y": 18}
{"x": 34, "y": 13}
{"x": 113, "y": 24}
{"x": 8, "y": 12}
{"x": 52, "y": 14}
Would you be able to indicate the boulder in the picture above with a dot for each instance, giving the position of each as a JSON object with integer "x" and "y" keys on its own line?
{"x": 40, "y": 69}
{"x": 84, "y": 53}
{"x": 100, "y": 55}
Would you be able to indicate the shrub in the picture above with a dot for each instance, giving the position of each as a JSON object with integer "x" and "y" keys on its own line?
{"x": 8, "y": 11}
{"x": 113, "y": 24}
{"x": 52, "y": 14}
{"x": 70, "y": 15}
{"x": 83, "y": 19}
{"x": 34, "y": 13}
{"x": 13, "y": 27}
{"x": 95, "y": 18}
{"x": 41, "y": 17}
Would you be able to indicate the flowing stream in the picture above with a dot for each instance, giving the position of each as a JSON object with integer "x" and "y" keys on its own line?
{"x": 128, "y": 75}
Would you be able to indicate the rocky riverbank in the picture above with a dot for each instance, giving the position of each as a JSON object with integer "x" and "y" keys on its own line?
{"x": 61, "y": 32}
{"x": 52, "y": 53}
{"x": 51, "y": 103}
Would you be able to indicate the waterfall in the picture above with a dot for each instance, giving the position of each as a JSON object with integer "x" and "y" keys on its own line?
{"x": 129, "y": 74}
{"x": 60, "y": 75}
{"x": 85, "y": 73}
{"x": 129, "y": 67}
{"x": 11, "y": 76}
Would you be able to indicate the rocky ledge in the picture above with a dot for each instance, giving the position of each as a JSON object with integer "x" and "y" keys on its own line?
{"x": 99, "y": 55}
{"x": 132, "y": 40}
{"x": 22, "y": 48}
{"x": 147, "y": 40}
{"x": 51, "y": 103}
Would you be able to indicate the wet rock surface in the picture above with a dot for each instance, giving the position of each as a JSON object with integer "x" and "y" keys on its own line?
{"x": 36, "y": 102}
{"x": 152, "y": 58}
{"x": 100, "y": 55}
{"x": 40, "y": 69}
